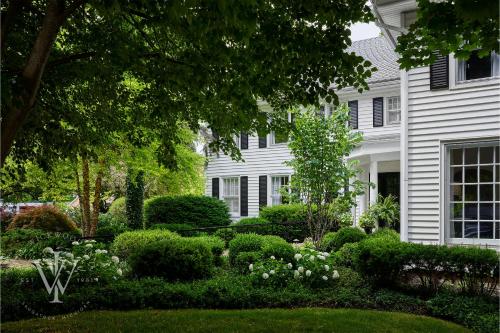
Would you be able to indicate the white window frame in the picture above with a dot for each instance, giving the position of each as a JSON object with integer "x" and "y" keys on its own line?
{"x": 277, "y": 196}
{"x": 232, "y": 196}
{"x": 387, "y": 111}
{"x": 445, "y": 205}
{"x": 456, "y": 84}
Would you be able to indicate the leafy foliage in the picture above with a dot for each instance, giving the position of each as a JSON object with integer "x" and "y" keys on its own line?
{"x": 174, "y": 259}
{"x": 333, "y": 241}
{"x": 135, "y": 200}
{"x": 198, "y": 211}
{"x": 47, "y": 218}
{"x": 445, "y": 27}
{"x": 131, "y": 241}
{"x": 319, "y": 146}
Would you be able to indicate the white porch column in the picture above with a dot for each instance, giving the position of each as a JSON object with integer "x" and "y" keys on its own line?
{"x": 374, "y": 181}
{"x": 362, "y": 199}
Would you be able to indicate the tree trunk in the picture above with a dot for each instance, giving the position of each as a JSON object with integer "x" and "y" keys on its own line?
{"x": 97, "y": 199}
{"x": 79, "y": 193}
{"x": 28, "y": 82}
{"x": 86, "y": 197}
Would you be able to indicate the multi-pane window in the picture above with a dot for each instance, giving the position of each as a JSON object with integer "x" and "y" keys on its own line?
{"x": 231, "y": 194}
{"x": 279, "y": 137}
{"x": 476, "y": 67}
{"x": 393, "y": 110}
{"x": 474, "y": 191}
{"x": 277, "y": 183}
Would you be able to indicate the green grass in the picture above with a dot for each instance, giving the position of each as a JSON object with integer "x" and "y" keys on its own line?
{"x": 245, "y": 321}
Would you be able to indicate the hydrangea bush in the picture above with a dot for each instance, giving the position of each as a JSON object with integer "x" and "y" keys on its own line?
{"x": 309, "y": 266}
{"x": 93, "y": 263}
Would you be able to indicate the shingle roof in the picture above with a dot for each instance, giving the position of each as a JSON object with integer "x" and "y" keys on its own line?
{"x": 378, "y": 51}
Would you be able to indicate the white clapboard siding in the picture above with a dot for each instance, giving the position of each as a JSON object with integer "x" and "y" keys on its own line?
{"x": 269, "y": 161}
{"x": 434, "y": 116}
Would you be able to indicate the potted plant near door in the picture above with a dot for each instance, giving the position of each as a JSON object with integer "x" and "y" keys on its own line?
{"x": 368, "y": 221}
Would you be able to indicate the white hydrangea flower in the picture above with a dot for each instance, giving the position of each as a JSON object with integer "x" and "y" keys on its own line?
{"x": 98, "y": 251}
{"x": 326, "y": 254}
{"x": 48, "y": 250}
{"x": 335, "y": 274}
{"x": 321, "y": 257}
{"x": 119, "y": 271}
{"x": 86, "y": 257}
{"x": 311, "y": 258}
{"x": 308, "y": 273}
{"x": 290, "y": 265}
{"x": 297, "y": 256}
{"x": 271, "y": 272}
{"x": 75, "y": 243}
{"x": 250, "y": 267}
{"x": 89, "y": 245}
{"x": 273, "y": 257}
{"x": 324, "y": 277}
{"x": 265, "y": 276}
{"x": 296, "y": 274}
{"x": 70, "y": 255}
{"x": 115, "y": 259}
{"x": 301, "y": 269}
{"x": 327, "y": 268}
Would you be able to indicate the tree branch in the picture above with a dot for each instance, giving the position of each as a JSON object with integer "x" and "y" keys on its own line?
{"x": 70, "y": 58}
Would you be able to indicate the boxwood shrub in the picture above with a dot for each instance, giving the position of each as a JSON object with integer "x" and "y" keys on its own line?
{"x": 195, "y": 210}
{"x": 226, "y": 234}
{"x": 132, "y": 241}
{"x": 386, "y": 262}
{"x": 177, "y": 259}
{"x": 333, "y": 241}
{"x": 266, "y": 245}
{"x": 182, "y": 229}
{"x": 47, "y": 218}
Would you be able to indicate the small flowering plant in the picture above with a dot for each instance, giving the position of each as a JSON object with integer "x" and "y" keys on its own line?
{"x": 309, "y": 266}
{"x": 88, "y": 261}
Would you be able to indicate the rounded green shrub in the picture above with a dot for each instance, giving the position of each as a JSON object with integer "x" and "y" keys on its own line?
{"x": 274, "y": 245}
{"x": 294, "y": 214}
{"x": 215, "y": 244}
{"x": 182, "y": 229}
{"x": 131, "y": 242}
{"x": 333, "y": 241}
{"x": 278, "y": 249}
{"x": 198, "y": 211}
{"x": 244, "y": 259}
{"x": 47, "y": 218}
{"x": 118, "y": 211}
{"x": 226, "y": 234}
{"x": 386, "y": 233}
{"x": 177, "y": 259}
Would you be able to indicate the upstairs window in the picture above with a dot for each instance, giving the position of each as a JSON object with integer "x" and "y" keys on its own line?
{"x": 393, "y": 110}
{"x": 478, "y": 68}
{"x": 279, "y": 137}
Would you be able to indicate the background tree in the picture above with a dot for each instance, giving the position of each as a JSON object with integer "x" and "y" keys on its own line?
{"x": 135, "y": 199}
{"x": 450, "y": 26}
{"x": 197, "y": 61}
{"x": 321, "y": 172}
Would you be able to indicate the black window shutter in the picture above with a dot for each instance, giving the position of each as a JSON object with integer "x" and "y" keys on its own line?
{"x": 353, "y": 114}
{"x": 244, "y": 140}
{"x": 439, "y": 73}
{"x": 244, "y": 196}
{"x": 215, "y": 187}
{"x": 262, "y": 191}
{"x": 262, "y": 141}
{"x": 378, "y": 112}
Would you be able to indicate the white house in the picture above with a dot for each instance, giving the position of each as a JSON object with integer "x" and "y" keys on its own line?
{"x": 450, "y": 133}
{"x": 431, "y": 137}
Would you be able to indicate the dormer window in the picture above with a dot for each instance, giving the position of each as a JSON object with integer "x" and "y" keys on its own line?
{"x": 478, "y": 68}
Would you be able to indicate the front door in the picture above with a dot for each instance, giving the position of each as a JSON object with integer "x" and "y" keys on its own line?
{"x": 388, "y": 183}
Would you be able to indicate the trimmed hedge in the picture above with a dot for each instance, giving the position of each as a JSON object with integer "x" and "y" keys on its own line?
{"x": 47, "y": 218}
{"x": 177, "y": 259}
{"x": 181, "y": 229}
{"x": 237, "y": 292}
{"x": 294, "y": 213}
{"x": 333, "y": 241}
{"x": 198, "y": 211}
{"x": 29, "y": 243}
{"x": 226, "y": 234}
{"x": 387, "y": 262}
{"x": 265, "y": 245}
{"x": 132, "y": 241}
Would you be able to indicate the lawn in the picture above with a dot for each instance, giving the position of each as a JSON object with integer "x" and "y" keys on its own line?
{"x": 247, "y": 321}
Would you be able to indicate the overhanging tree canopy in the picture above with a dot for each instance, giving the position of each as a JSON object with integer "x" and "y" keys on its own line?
{"x": 198, "y": 61}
